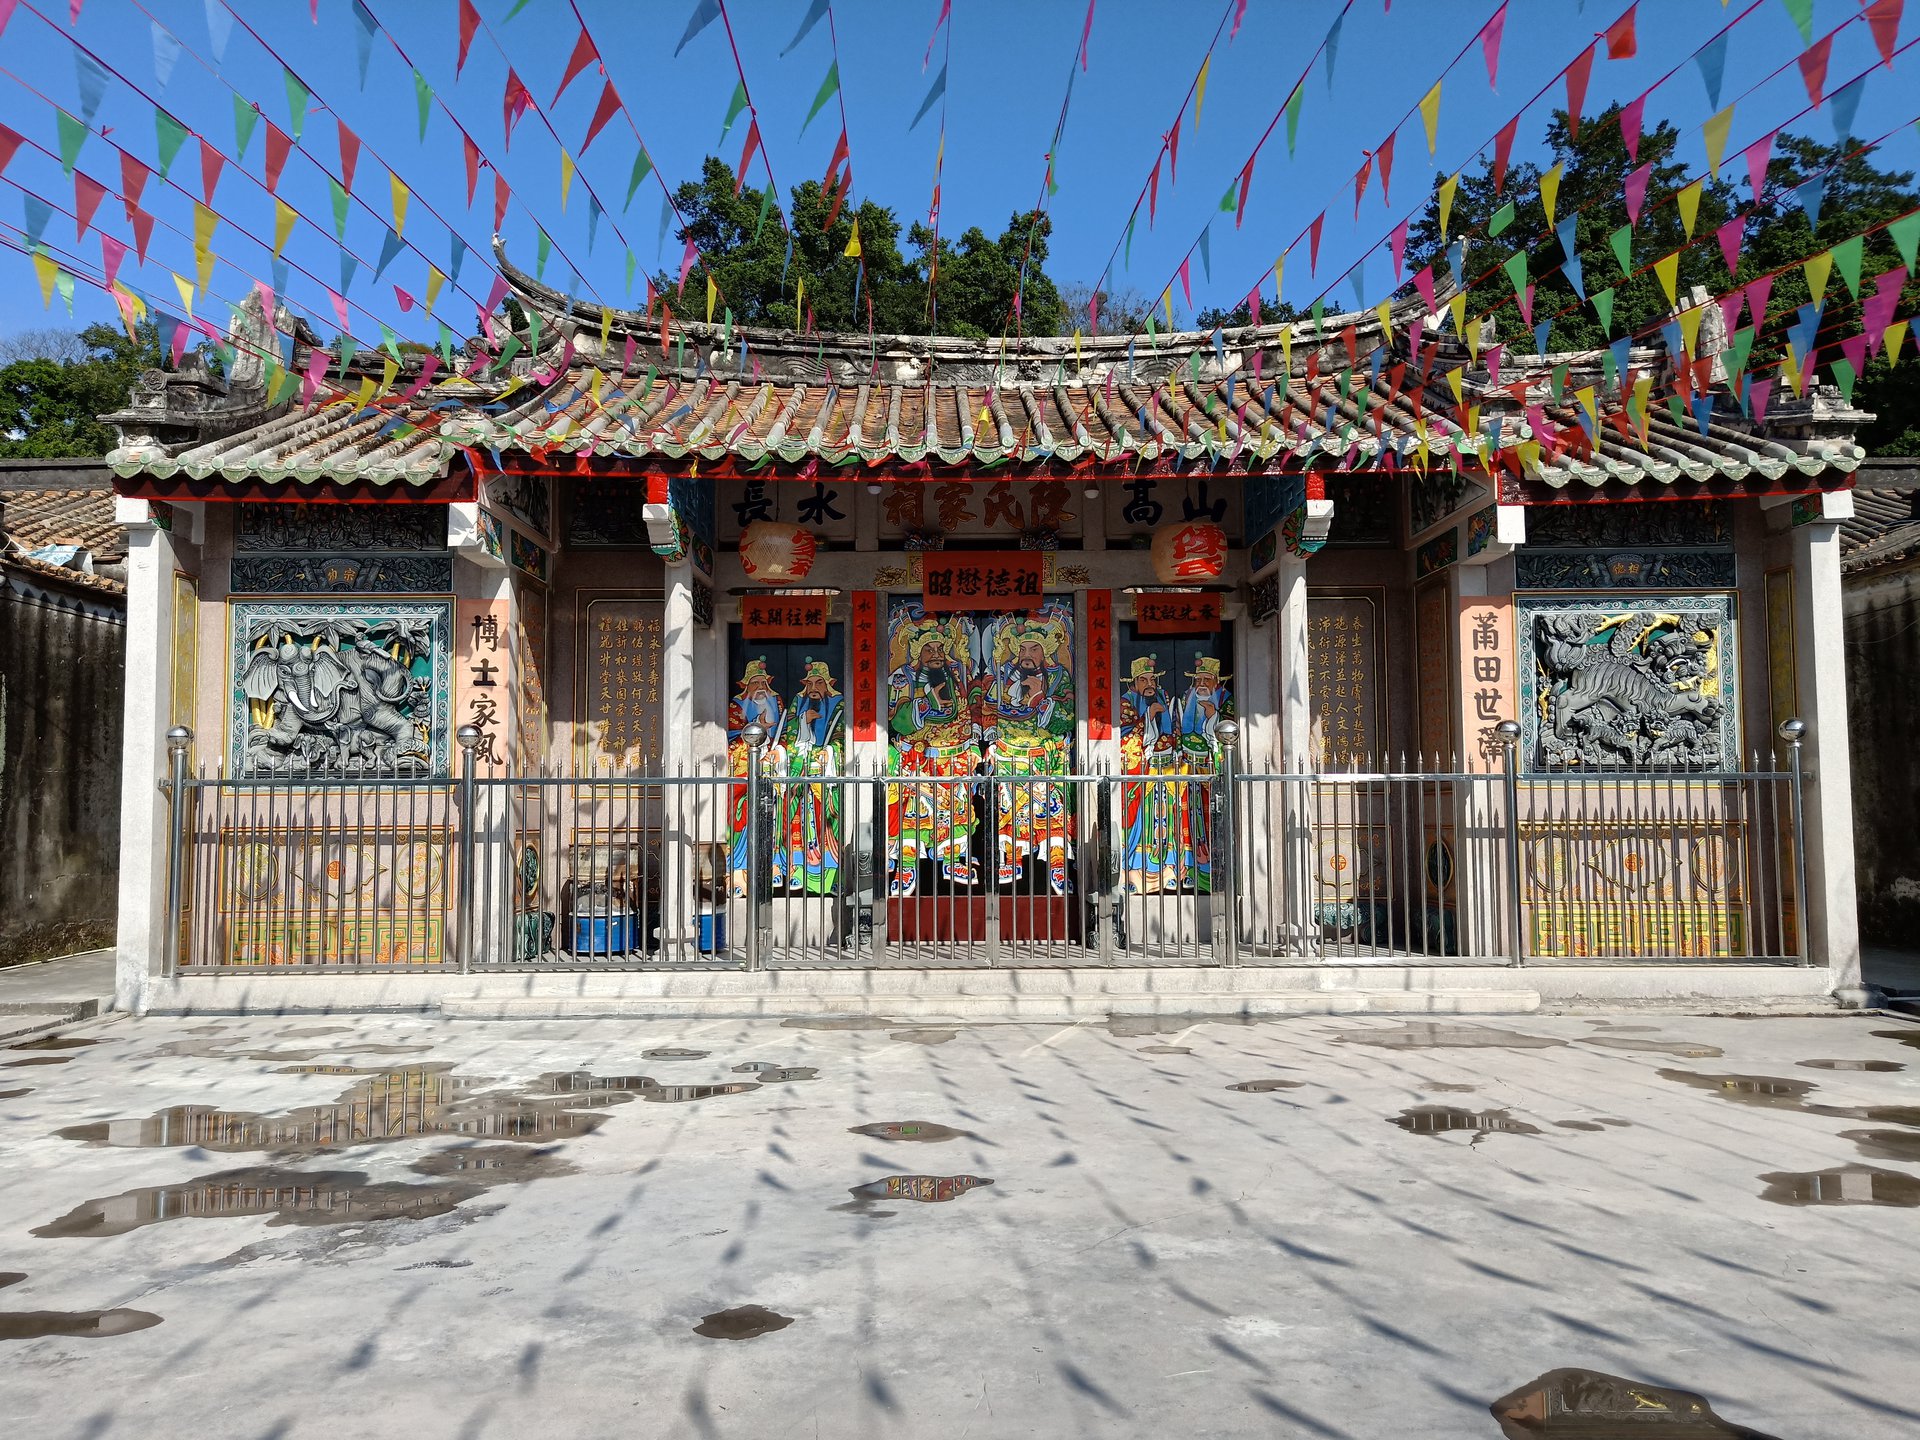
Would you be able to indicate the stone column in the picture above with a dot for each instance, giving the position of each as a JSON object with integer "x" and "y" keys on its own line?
{"x": 1829, "y": 909}
{"x": 1290, "y": 816}
{"x": 682, "y": 808}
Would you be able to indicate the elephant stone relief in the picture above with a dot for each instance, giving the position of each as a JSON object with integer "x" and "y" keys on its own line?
{"x": 343, "y": 690}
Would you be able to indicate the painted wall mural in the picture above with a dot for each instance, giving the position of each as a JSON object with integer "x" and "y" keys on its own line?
{"x": 1608, "y": 687}
{"x": 351, "y": 895}
{"x": 965, "y": 690}
{"x": 342, "y": 688}
{"x": 797, "y": 698}
{"x": 1167, "y": 729}
{"x": 307, "y": 549}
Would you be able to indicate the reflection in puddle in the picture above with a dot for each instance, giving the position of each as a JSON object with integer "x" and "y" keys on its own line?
{"x": 1687, "y": 1049}
{"x": 1444, "y": 1119}
{"x": 743, "y": 1322}
{"x": 926, "y": 1189}
{"x": 1768, "y": 1091}
{"x": 83, "y": 1324}
{"x": 670, "y": 1053}
{"x": 840, "y": 1022}
{"x": 1886, "y": 1144}
{"x": 1165, "y": 1050}
{"x": 1566, "y": 1403}
{"x": 924, "y": 1131}
{"x": 54, "y": 1042}
{"x": 11, "y": 1277}
{"x": 923, "y": 1037}
{"x": 36, "y": 1060}
{"x": 1842, "y": 1185}
{"x": 1445, "y": 1087}
{"x": 771, "y": 1074}
{"x": 216, "y": 1050}
{"x": 16, "y": 1094}
{"x": 1909, "y": 1037}
{"x": 1593, "y": 1125}
{"x": 1440, "y": 1035}
{"x": 313, "y": 1030}
{"x": 1259, "y": 1086}
{"x": 1879, "y": 1067}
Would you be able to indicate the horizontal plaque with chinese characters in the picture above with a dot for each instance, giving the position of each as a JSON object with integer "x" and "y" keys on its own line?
{"x": 981, "y": 580}
{"x": 1177, "y": 614}
{"x": 784, "y": 617}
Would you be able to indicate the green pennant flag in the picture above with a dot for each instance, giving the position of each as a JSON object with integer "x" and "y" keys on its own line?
{"x": 734, "y": 107}
{"x": 172, "y": 135}
{"x": 1230, "y": 201}
{"x": 1126, "y": 262}
{"x": 1846, "y": 259}
{"x": 339, "y": 193}
{"x": 423, "y": 97}
{"x": 1603, "y": 308}
{"x": 1738, "y": 348}
{"x": 1904, "y": 232}
{"x": 73, "y": 135}
{"x": 829, "y": 87}
{"x": 1559, "y": 383}
{"x": 1622, "y": 242}
{"x": 766, "y": 205}
{"x": 545, "y": 251}
{"x": 446, "y": 345}
{"x": 1608, "y": 370}
{"x": 1845, "y": 377}
{"x": 642, "y": 164}
{"x": 518, "y": 6}
{"x": 630, "y": 265}
{"x": 1502, "y": 218}
{"x": 1293, "y": 118}
{"x": 245, "y": 117}
{"x": 726, "y": 329}
{"x": 389, "y": 342}
{"x": 1802, "y": 13}
{"x": 296, "y": 106}
{"x": 1319, "y": 309}
{"x": 1516, "y": 268}
{"x": 1677, "y": 408}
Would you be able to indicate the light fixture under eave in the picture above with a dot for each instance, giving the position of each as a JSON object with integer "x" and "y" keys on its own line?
{"x": 1092, "y": 492}
{"x": 873, "y": 487}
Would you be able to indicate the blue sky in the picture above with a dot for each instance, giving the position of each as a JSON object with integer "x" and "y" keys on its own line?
{"x": 1009, "y": 68}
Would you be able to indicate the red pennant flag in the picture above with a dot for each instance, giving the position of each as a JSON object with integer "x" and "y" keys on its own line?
{"x": 133, "y": 178}
{"x": 278, "y": 148}
{"x": 1153, "y": 191}
{"x": 142, "y": 232}
{"x": 1883, "y": 19}
{"x": 500, "y": 193}
{"x": 349, "y": 156}
{"x": 833, "y": 214}
{"x": 583, "y": 55}
{"x": 514, "y": 99}
{"x": 469, "y": 22}
{"x": 1351, "y": 337}
{"x": 1502, "y": 150}
{"x": 11, "y": 140}
{"x": 1631, "y": 115}
{"x": 87, "y": 195}
{"x": 1240, "y": 213}
{"x": 472, "y": 154}
{"x": 1313, "y": 242}
{"x": 1577, "y": 75}
{"x": 746, "y": 155}
{"x": 1622, "y": 44}
{"x": 666, "y": 324}
{"x": 608, "y": 107}
{"x": 112, "y": 253}
{"x": 1086, "y": 31}
{"x": 1813, "y": 68}
{"x": 1360, "y": 178}
{"x": 1384, "y": 156}
{"x": 1490, "y": 45}
{"x": 840, "y": 153}
{"x": 211, "y": 164}
{"x": 1172, "y": 137}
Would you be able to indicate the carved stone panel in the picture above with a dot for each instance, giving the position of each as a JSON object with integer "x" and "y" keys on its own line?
{"x": 341, "y": 689}
{"x": 1644, "y": 682}
{"x": 341, "y": 574}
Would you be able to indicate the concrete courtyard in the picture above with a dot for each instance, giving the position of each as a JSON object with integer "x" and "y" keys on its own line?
{"x": 396, "y": 1226}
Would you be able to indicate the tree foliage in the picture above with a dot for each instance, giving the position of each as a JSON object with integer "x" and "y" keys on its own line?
{"x": 50, "y": 407}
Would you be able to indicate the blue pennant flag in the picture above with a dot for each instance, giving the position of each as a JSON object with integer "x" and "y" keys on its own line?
{"x": 1811, "y": 193}
{"x": 390, "y": 249}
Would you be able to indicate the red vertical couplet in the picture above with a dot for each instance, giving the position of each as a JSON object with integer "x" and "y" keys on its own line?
{"x": 1099, "y": 665}
{"x": 866, "y": 664}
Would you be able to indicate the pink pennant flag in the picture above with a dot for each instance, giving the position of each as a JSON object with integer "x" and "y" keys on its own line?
{"x": 1423, "y": 282}
{"x": 1758, "y": 392}
{"x": 420, "y": 381}
{"x": 1854, "y": 349}
{"x": 1397, "y": 242}
{"x": 1253, "y": 318}
{"x": 1636, "y": 188}
{"x": 496, "y": 294}
{"x": 1093, "y": 312}
{"x": 686, "y": 264}
{"x": 1877, "y": 311}
{"x": 1729, "y": 236}
{"x": 266, "y": 296}
{"x": 1730, "y": 308}
{"x": 1086, "y": 31}
{"x": 1577, "y": 75}
{"x": 1186, "y": 280}
{"x": 1493, "y": 356}
{"x": 1526, "y": 305}
{"x": 403, "y": 299}
{"x": 946, "y": 12}
{"x": 1631, "y": 115}
{"x": 1490, "y": 45}
{"x": 626, "y": 357}
{"x": 316, "y": 367}
{"x": 112, "y": 253}
{"x": 339, "y": 308}
{"x": 179, "y": 347}
{"x": 1758, "y": 154}
{"x": 1759, "y": 292}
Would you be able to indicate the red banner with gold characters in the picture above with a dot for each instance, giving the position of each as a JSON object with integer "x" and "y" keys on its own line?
{"x": 866, "y": 664}
{"x": 1177, "y": 614}
{"x": 783, "y": 617}
{"x": 981, "y": 580}
{"x": 1099, "y": 665}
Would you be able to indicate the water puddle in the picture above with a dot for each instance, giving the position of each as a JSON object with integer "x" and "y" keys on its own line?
{"x": 1686, "y": 1049}
{"x": 669, "y": 1053}
{"x": 1445, "y": 1119}
{"x": 1909, "y": 1037}
{"x": 1623, "y": 1029}
{"x": 11, "y": 1277}
{"x": 1768, "y": 1091}
{"x": 1842, "y": 1185}
{"x": 1165, "y": 1050}
{"x": 16, "y": 1094}
{"x": 80, "y": 1324}
{"x": 1878, "y": 1067}
{"x": 840, "y": 1022}
{"x": 1908, "y": 1115}
{"x": 312, "y": 1030}
{"x": 218, "y": 1050}
{"x": 925, "y": 1132}
{"x": 1568, "y": 1403}
{"x": 1902, "y": 1145}
{"x": 925, "y": 1189}
{"x": 54, "y": 1042}
{"x": 1256, "y": 1087}
{"x": 36, "y": 1060}
{"x": 743, "y": 1322}
{"x": 923, "y": 1037}
{"x": 1447, "y": 1087}
{"x": 1439, "y": 1035}
{"x": 1593, "y": 1125}
{"x": 771, "y": 1074}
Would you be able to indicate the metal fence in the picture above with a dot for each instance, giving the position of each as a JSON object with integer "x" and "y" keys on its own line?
{"x": 1412, "y": 864}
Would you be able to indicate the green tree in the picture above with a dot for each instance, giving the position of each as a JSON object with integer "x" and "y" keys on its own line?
{"x": 50, "y": 408}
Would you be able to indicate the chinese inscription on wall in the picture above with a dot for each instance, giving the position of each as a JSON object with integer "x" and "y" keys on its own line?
{"x": 486, "y": 688}
{"x": 1343, "y": 635}
{"x": 625, "y": 653}
{"x": 1489, "y": 686}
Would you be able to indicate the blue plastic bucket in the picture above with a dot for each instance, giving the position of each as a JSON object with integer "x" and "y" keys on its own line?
{"x": 713, "y": 933}
{"x": 601, "y": 934}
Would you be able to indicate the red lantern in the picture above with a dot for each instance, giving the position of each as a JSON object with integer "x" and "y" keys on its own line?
{"x": 775, "y": 553}
{"x": 1193, "y": 551}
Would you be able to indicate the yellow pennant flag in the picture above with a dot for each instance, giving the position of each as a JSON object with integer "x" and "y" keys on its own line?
{"x": 1286, "y": 356}
{"x": 1453, "y": 384}
{"x": 1447, "y": 188}
{"x": 48, "y": 273}
{"x": 594, "y": 382}
{"x": 366, "y": 394}
{"x": 1589, "y": 401}
{"x": 1690, "y": 329}
{"x": 1200, "y": 89}
{"x": 1166, "y": 298}
{"x": 203, "y": 222}
{"x": 1279, "y": 269}
{"x": 799, "y": 289}
{"x": 1667, "y": 271}
{"x": 1529, "y": 454}
{"x": 1078, "y": 362}
{"x": 1473, "y": 419}
{"x": 713, "y": 293}
{"x": 853, "y": 241}
{"x": 434, "y": 281}
{"x": 1385, "y": 312}
{"x": 1430, "y": 112}
{"x": 185, "y": 288}
{"x": 1790, "y": 367}
{"x": 283, "y": 217}
{"x": 400, "y": 197}
{"x": 1550, "y": 188}
{"x": 566, "y": 177}
{"x": 389, "y": 372}
{"x": 1818, "y": 269}
{"x": 1715, "y": 133}
{"x": 1458, "y": 305}
{"x": 1687, "y": 202}
{"x": 1895, "y": 337}
{"x": 1473, "y": 341}
{"x": 606, "y": 326}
